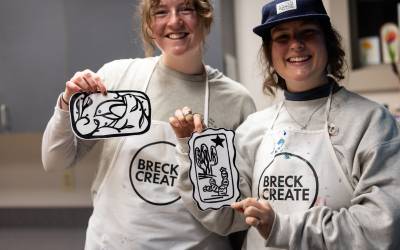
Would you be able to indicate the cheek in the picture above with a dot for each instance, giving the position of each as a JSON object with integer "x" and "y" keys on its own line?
{"x": 156, "y": 27}
{"x": 192, "y": 22}
{"x": 153, "y": 30}
{"x": 325, "y": 55}
{"x": 322, "y": 57}
{"x": 321, "y": 50}
{"x": 276, "y": 55}
{"x": 200, "y": 33}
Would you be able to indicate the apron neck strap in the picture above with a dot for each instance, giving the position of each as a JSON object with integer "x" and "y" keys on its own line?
{"x": 328, "y": 104}
{"x": 206, "y": 99}
{"x": 276, "y": 115}
{"x": 147, "y": 81}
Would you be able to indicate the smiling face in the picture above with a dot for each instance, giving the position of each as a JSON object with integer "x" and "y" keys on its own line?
{"x": 299, "y": 54}
{"x": 176, "y": 29}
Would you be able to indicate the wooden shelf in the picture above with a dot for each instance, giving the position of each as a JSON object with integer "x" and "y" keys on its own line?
{"x": 44, "y": 198}
{"x": 373, "y": 78}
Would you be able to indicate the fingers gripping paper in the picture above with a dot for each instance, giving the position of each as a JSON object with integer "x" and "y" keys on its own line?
{"x": 119, "y": 113}
{"x": 213, "y": 172}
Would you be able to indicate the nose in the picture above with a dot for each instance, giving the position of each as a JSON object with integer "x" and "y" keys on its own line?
{"x": 297, "y": 43}
{"x": 174, "y": 19}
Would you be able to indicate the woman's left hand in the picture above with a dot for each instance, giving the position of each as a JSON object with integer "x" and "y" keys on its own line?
{"x": 258, "y": 213}
{"x": 184, "y": 123}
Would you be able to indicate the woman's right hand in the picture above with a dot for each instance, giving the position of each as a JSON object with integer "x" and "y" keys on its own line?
{"x": 258, "y": 213}
{"x": 184, "y": 123}
{"x": 84, "y": 81}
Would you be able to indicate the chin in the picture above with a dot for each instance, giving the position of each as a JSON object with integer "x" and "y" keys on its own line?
{"x": 177, "y": 51}
{"x": 301, "y": 77}
{"x": 183, "y": 51}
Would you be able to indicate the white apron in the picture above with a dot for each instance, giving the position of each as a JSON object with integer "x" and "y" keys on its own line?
{"x": 137, "y": 205}
{"x": 296, "y": 170}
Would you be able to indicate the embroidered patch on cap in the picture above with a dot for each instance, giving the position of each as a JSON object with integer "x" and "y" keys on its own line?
{"x": 286, "y": 6}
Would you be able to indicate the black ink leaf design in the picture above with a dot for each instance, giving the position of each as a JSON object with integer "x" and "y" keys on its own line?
{"x": 87, "y": 120}
{"x": 88, "y": 102}
{"x": 141, "y": 121}
{"x": 114, "y": 112}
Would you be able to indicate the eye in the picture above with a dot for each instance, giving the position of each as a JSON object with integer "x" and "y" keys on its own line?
{"x": 159, "y": 12}
{"x": 186, "y": 10}
{"x": 281, "y": 38}
{"x": 309, "y": 33}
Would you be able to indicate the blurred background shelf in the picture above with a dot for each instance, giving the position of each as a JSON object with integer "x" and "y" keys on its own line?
{"x": 354, "y": 19}
{"x": 24, "y": 182}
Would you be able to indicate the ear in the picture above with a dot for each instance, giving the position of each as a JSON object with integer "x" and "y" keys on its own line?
{"x": 149, "y": 32}
{"x": 328, "y": 69}
{"x": 275, "y": 76}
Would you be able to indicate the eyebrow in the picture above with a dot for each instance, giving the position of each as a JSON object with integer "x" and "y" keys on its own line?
{"x": 303, "y": 22}
{"x": 274, "y": 29}
{"x": 180, "y": 4}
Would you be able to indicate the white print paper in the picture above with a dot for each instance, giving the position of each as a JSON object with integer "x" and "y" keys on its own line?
{"x": 213, "y": 173}
{"x": 119, "y": 113}
{"x": 369, "y": 50}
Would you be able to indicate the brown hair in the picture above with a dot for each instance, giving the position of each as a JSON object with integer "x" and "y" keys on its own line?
{"x": 336, "y": 65}
{"x": 203, "y": 8}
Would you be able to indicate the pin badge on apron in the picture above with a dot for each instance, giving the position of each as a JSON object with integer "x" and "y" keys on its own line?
{"x": 119, "y": 113}
{"x": 213, "y": 173}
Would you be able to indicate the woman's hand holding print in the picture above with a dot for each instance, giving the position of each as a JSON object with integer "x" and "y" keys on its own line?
{"x": 258, "y": 213}
{"x": 83, "y": 81}
{"x": 184, "y": 123}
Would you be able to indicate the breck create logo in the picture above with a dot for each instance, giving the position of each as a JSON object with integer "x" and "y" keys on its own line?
{"x": 152, "y": 179}
{"x": 289, "y": 182}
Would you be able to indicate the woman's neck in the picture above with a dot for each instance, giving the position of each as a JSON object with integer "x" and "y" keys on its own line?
{"x": 187, "y": 64}
{"x": 315, "y": 93}
{"x": 309, "y": 84}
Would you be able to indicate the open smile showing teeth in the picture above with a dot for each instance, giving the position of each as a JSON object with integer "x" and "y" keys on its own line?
{"x": 298, "y": 59}
{"x": 176, "y": 36}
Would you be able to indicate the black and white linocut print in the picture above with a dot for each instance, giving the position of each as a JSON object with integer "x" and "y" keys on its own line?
{"x": 213, "y": 173}
{"x": 119, "y": 113}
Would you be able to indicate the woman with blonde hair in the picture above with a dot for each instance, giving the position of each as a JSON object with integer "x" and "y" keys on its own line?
{"x": 136, "y": 204}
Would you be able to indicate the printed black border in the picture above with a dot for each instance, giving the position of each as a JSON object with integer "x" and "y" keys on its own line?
{"x": 234, "y": 165}
{"x": 301, "y": 158}
{"x": 86, "y": 137}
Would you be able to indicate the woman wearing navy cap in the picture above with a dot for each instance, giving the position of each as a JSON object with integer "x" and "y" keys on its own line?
{"x": 322, "y": 165}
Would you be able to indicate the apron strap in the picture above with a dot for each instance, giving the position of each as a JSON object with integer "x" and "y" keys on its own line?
{"x": 276, "y": 115}
{"x": 206, "y": 99}
{"x": 147, "y": 81}
{"x": 328, "y": 106}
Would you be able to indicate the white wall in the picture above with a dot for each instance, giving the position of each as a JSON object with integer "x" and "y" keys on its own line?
{"x": 247, "y": 15}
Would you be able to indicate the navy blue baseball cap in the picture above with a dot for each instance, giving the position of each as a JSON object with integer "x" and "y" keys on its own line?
{"x": 279, "y": 11}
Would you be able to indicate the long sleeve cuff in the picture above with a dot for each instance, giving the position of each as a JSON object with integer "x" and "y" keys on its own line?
{"x": 182, "y": 145}
{"x": 61, "y": 117}
{"x": 280, "y": 232}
